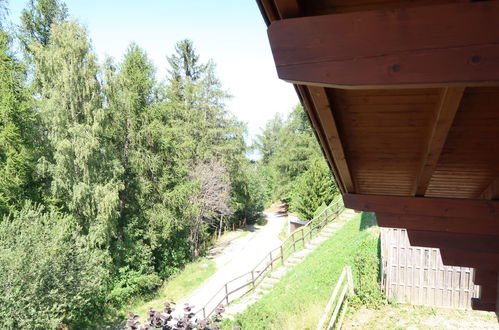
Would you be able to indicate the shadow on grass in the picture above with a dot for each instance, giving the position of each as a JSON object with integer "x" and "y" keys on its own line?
{"x": 367, "y": 220}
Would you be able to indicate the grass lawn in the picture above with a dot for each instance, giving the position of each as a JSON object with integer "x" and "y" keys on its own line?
{"x": 298, "y": 300}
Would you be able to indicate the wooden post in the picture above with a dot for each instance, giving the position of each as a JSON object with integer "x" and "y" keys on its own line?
{"x": 349, "y": 279}
{"x": 293, "y": 238}
{"x": 226, "y": 294}
{"x": 303, "y": 236}
{"x": 204, "y": 312}
{"x": 282, "y": 256}
{"x": 253, "y": 279}
{"x": 233, "y": 227}
{"x": 271, "y": 262}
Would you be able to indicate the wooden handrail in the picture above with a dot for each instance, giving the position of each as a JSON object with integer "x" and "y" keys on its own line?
{"x": 268, "y": 260}
{"x": 340, "y": 304}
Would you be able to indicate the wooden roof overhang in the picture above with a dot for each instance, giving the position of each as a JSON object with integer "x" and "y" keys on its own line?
{"x": 404, "y": 99}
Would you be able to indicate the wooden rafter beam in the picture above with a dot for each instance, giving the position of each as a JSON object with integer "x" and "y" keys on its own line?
{"x": 306, "y": 99}
{"x": 438, "y": 45}
{"x": 328, "y": 126}
{"x": 492, "y": 191}
{"x": 288, "y": 8}
{"x": 443, "y": 118}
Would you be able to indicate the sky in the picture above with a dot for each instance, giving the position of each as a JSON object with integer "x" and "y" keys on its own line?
{"x": 231, "y": 32}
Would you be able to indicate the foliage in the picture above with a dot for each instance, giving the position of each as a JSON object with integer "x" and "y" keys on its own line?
{"x": 165, "y": 319}
{"x": 144, "y": 172}
{"x": 288, "y": 148}
{"x": 299, "y": 298}
{"x": 49, "y": 275}
{"x": 366, "y": 268}
{"x": 18, "y": 136}
{"x": 37, "y": 20}
{"x": 313, "y": 188}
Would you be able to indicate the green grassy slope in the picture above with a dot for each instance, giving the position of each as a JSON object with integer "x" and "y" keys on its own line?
{"x": 298, "y": 300}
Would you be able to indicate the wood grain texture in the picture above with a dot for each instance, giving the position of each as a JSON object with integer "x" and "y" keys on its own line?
{"x": 458, "y": 241}
{"x": 439, "y": 224}
{"x": 327, "y": 121}
{"x": 442, "y": 120}
{"x": 445, "y": 44}
{"x": 288, "y": 8}
{"x": 425, "y": 206}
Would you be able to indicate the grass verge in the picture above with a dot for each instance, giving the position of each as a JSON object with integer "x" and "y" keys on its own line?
{"x": 298, "y": 299}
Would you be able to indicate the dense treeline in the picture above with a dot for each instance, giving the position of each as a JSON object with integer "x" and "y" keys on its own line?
{"x": 293, "y": 165}
{"x": 110, "y": 180}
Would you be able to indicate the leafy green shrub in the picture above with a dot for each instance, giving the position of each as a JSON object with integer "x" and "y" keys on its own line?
{"x": 366, "y": 274}
{"x": 49, "y": 276}
{"x": 132, "y": 283}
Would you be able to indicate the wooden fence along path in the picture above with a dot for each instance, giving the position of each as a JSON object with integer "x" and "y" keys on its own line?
{"x": 247, "y": 282}
{"x": 416, "y": 275}
{"x": 339, "y": 302}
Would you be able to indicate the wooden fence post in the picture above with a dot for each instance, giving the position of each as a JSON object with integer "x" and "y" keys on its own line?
{"x": 271, "y": 263}
{"x": 226, "y": 294}
{"x": 253, "y": 279}
{"x": 282, "y": 256}
{"x": 349, "y": 279}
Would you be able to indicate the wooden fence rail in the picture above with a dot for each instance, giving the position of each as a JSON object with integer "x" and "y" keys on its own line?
{"x": 340, "y": 303}
{"x": 247, "y": 282}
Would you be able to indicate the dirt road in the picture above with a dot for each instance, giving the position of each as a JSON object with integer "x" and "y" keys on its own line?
{"x": 239, "y": 257}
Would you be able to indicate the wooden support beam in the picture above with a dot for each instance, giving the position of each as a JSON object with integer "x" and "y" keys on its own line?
{"x": 456, "y": 241}
{"x": 440, "y": 224}
{"x": 492, "y": 191}
{"x": 326, "y": 120}
{"x": 440, "y": 45}
{"x": 288, "y": 8}
{"x": 304, "y": 93}
{"x": 425, "y": 206}
{"x": 443, "y": 118}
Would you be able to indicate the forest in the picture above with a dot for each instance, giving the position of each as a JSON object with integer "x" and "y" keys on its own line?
{"x": 112, "y": 179}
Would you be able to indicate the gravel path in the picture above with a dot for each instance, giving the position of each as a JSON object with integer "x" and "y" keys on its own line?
{"x": 239, "y": 257}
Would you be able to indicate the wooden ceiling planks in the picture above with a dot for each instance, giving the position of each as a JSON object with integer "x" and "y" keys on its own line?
{"x": 469, "y": 162}
{"x": 383, "y": 135}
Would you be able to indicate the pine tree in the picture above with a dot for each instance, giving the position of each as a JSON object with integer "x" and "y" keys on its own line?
{"x": 37, "y": 20}
{"x": 83, "y": 170}
{"x": 314, "y": 187}
{"x": 18, "y": 135}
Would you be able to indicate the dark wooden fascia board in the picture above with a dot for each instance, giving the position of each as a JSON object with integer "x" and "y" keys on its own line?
{"x": 439, "y": 224}
{"x": 328, "y": 125}
{"x": 440, "y": 45}
{"x": 442, "y": 120}
{"x": 425, "y": 206}
{"x": 458, "y": 241}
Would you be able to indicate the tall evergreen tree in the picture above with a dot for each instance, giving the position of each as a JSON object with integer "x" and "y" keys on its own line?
{"x": 18, "y": 133}
{"x": 37, "y": 20}
{"x": 84, "y": 171}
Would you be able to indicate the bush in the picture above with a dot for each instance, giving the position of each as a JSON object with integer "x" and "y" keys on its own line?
{"x": 132, "y": 283}
{"x": 48, "y": 274}
{"x": 366, "y": 271}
